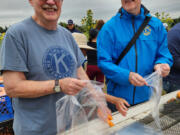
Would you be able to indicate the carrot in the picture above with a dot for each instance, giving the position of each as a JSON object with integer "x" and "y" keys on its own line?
{"x": 107, "y": 119}
{"x": 111, "y": 124}
{"x": 110, "y": 117}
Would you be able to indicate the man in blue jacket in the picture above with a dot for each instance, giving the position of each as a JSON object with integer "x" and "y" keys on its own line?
{"x": 150, "y": 52}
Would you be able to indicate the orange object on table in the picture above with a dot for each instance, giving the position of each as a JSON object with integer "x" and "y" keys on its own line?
{"x": 178, "y": 95}
{"x": 110, "y": 117}
{"x": 110, "y": 123}
{"x": 2, "y": 91}
{"x": 107, "y": 119}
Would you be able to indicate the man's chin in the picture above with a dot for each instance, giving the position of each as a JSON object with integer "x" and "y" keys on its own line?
{"x": 129, "y": 8}
{"x": 51, "y": 18}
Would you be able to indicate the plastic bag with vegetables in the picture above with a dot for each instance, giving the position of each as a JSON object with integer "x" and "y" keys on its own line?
{"x": 85, "y": 113}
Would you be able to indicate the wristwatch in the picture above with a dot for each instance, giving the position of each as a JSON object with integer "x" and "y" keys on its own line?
{"x": 57, "y": 87}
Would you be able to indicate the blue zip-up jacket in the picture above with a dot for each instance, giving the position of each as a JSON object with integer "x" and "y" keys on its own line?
{"x": 150, "y": 49}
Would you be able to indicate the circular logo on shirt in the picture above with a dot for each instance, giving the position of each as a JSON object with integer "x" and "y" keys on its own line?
{"x": 58, "y": 63}
{"x": 147, "y": 31}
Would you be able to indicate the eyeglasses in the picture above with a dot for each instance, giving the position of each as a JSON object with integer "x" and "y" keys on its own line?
{"x": 53, "y": 0}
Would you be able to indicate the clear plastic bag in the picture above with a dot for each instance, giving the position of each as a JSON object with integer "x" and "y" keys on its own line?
{"x": 154, "y": 81}
{"x": 78, "y": 114}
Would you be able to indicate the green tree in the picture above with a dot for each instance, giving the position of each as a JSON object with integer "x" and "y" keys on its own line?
{"x": 176, "y": 20}
{"x": 165, "y": 18}
{"x": 88, "y": 22}
{"x": 63, "y": 24}
{"x": 1, "y": 37}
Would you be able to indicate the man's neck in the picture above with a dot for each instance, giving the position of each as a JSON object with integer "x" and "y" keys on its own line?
{"x": 135, "y": 11}
{"x": 49, "y": 25}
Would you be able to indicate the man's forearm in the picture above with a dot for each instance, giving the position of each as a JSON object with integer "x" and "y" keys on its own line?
{"x": 16, "y": 85}
{"x": 81, "y": 74}
{"x": 31, "y": 89}
{"x": 110, "y": 98}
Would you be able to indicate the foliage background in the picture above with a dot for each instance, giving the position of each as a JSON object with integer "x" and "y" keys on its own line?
{"x": 1, "y": 37}
{"x": 89, "y": 22}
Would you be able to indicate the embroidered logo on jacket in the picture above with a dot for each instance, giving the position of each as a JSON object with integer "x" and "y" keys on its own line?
{"x": 147, "y": 31}
{"x": 58, "y": 63}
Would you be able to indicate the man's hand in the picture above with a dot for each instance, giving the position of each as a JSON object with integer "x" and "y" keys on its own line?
{"x": 121, "y": 105}
{"x": 164, "y": 69}
{"x": 136, "y": 80}
{"x": 71, "y": 86}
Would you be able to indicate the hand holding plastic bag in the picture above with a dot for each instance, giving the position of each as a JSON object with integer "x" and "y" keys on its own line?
{"x": 163, "y": 69}
{"x": 75, "y": 112}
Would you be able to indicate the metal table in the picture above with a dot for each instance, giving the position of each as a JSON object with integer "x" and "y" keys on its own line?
{"x": 169, "y": 118}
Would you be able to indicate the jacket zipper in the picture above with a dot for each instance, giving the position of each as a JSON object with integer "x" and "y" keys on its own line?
{"x": 134, "y": 91}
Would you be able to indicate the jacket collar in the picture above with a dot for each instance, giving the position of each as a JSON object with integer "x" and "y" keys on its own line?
{"x": 144, "y": 12}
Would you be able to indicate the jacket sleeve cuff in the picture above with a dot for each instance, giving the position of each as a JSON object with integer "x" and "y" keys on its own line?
{"x": 164, "y": 62}
{"x": 122, "y": 78}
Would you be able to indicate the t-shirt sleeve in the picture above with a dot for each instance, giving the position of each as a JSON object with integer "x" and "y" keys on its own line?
{"x": 13, "y": 56}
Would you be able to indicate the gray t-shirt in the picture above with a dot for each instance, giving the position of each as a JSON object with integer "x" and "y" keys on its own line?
{"x": 42, "y": 55}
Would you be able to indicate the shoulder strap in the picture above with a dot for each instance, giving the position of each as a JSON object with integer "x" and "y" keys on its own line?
{"x": 133, "y": 40}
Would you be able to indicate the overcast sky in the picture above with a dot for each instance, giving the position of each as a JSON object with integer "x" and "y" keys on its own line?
{"x": 12, "y": 11}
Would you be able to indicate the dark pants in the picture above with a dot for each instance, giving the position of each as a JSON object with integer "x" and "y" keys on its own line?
{"x": 112, "y": 107}
{"x": 94, "y": 72}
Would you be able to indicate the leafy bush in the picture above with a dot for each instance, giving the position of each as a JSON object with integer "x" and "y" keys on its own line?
{"x": 1, "y": 37}
{"x": 88, "y": 22}
{"x": 165, "y": 18}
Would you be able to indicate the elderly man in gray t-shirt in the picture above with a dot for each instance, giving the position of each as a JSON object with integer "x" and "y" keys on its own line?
{"x": 40, "y": 62}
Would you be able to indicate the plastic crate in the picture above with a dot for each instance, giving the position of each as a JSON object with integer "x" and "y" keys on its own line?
{"x": 6, "y": 115}
{"x": 6, "y": 111}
